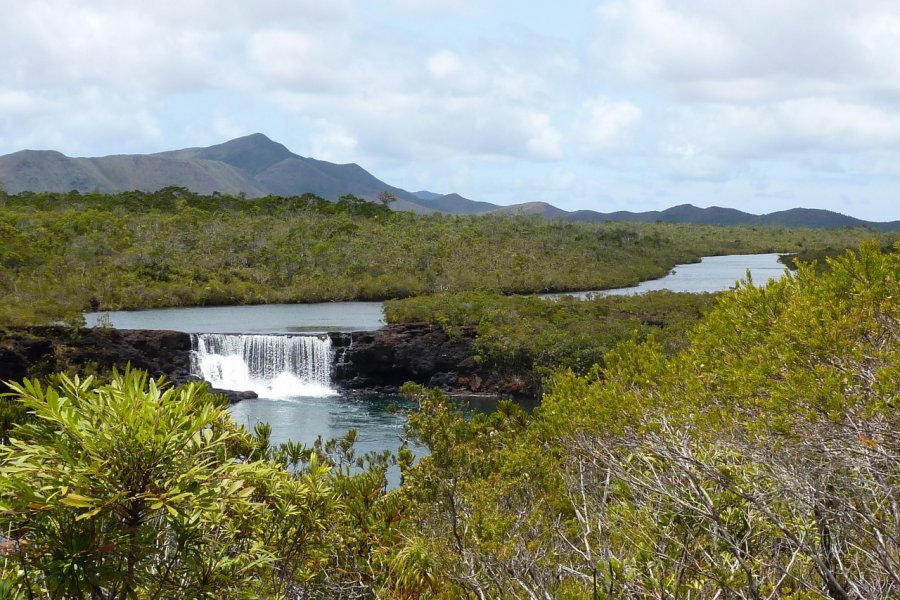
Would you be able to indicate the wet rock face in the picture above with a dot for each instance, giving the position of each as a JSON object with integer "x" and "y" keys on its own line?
{"x": 235, "y": 396}
{"x": 381, "y": 361}
{"x": 395, "y": 354}
{"x": 43, "y": 350}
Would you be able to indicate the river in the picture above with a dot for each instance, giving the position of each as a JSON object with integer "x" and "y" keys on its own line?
{"x": 711, "y": 274}
{"x": 299, "y": 408}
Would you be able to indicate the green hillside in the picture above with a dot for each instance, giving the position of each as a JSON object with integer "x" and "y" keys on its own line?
{"x": 65, "y": 253}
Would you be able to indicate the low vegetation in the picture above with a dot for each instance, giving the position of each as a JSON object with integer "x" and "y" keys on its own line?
{"x": 534, "y": 337}
{"x": 687, "y": 446}
{"x": 134, "y": 489}
{"x": 61, "y": 254}
{"x": 759, "y": 461}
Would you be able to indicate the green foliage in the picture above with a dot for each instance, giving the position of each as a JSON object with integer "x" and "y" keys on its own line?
{"x": 537, "y": 337}
{"x": 135, "y": 489}
{"x": 820, "y": 256}
{"x": 123, "y": 489}
{"x": 11, "y": 413}
{"x": 61, "y": 254}
{"x": 759, "y": 462}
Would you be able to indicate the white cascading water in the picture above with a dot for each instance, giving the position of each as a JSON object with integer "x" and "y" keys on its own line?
{"x": 273, "y": 366}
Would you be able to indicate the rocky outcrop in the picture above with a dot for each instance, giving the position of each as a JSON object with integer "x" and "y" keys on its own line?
{"x": 364, "y": 361}
{"x": 29, "y": 351}
{"x": 235, "y": 396}
{"x": 383, "y": 360}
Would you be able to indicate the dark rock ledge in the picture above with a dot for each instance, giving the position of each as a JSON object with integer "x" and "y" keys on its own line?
{"x": 32, "y": 351}
{"x": 383, "y": 360}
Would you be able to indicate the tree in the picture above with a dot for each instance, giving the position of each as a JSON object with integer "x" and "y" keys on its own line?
{"x": 386, "y": 197}
{"x": 136, "y": 489}
{"x": 123, "y": 490}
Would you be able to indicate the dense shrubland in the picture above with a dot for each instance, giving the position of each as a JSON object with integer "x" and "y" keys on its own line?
{"x": 61, "y": 254}
{"x": 534, "y": 337}
{"x": 819, "y": 255}
{"x": 760, "y": 461}
{"x": 744, "y": 446}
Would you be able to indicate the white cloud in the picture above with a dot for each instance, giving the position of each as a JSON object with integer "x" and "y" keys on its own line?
{"x": 562, "y": 179}
{"x": 829, "y": 124}
{"x": 653, "y": 40}
{"x": 770, "y": 86}
{"x": 436, "y": 7}
{"x": 390, "y": 91}
{"x": 444, "y": 65}
{"x": 699, "y": 92}
{"x": 56, "y": 44}
{"x": 543, "y": 141}
{"x": 427, "y": 126}
{"x": 18, "y": 104}
{"x": 603, "y": 124}
{"x": 760, "y": 50}
{"x": 452, "y": 74}
{"x": 82, "y": 123}
{"x": 226, "y": 128}
{"x": 336, "y": 146}
{"x": 809, "y": 125}
{"x": 147, "y": 48}
{"x": 297, "y": 60}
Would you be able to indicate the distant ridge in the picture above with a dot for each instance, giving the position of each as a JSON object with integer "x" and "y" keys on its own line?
{"x": 252, "y": 165}
{"x": 253, "y": 153}
{"x": 255, "y": 166}
{"x": 716, "y": 215}
{"x": 541, "y": 209}
{"x": 457, "y": 205}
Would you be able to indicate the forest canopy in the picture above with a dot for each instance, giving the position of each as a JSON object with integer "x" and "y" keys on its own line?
{"x": 61, "y": 254}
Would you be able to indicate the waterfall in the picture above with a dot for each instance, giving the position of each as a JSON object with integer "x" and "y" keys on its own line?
{"x": 273, "y": 366}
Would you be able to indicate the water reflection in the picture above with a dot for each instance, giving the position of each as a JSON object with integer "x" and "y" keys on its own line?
{"x": 711, "y": 274}
{"x": 265, "y": 318}
{"x": 379, "y": 421}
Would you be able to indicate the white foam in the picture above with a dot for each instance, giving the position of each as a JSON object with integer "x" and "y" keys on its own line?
{"x": 273, "y": 366}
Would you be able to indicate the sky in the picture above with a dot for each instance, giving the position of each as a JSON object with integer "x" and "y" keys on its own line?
{"x": 760, "y": 105}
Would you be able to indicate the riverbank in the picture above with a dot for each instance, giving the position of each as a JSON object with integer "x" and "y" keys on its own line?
{"x": 710, "y": 274}
{"x": 521, "y": 338}
{"x": 381, "y": 361}
{"x": 40, "y": 351}
{"x": 364, "y": 363}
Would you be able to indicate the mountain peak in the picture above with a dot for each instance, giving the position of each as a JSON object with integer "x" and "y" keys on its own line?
{"x": 260, "y": 137}
{"x": 256, "y": 166}
{"x": 253, "y": 153}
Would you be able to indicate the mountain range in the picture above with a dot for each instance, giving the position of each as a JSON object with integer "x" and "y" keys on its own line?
{"x": 256, "y": 166}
